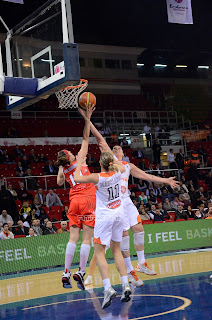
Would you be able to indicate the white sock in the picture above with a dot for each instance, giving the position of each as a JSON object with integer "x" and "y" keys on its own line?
{"x": 84, "y": 253}
{"x": 128, "y": 264}
{"x": 141, "y": 257}
{"x": 124, "y": 280}
{"x": 106, "y": 283}
{"x": 70, "y": 250}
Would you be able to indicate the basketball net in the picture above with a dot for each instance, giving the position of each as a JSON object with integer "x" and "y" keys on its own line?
{"x": 68, "y": 97}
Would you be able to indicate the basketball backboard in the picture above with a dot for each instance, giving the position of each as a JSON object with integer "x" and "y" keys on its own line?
{"x": 42, "y": 47}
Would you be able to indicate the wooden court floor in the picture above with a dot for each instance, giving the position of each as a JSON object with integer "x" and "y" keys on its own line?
{"x": 176, "y": 287}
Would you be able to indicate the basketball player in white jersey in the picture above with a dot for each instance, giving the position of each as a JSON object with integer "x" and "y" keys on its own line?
{"x": 132, "y": 218}
{"x": 108, "y": 227}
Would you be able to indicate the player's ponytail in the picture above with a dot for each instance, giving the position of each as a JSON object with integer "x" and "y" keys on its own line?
{"x": 107, "y": 162}
{"x": 62, "y": 159}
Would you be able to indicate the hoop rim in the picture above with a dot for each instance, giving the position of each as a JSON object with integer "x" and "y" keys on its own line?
{"x": 84, "y": 82}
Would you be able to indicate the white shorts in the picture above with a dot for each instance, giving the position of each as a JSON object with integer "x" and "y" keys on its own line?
{"x": 131, "y": 215}
{"x": 109, "y": 228}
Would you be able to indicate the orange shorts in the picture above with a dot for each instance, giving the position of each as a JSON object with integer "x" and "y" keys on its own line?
{"x": 82, "y": 211}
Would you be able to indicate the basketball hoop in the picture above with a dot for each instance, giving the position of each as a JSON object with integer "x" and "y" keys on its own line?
{"x": 68, "y": 97}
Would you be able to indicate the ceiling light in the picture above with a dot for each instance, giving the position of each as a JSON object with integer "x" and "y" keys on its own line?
{"x": 203, "y": 67}
{"x": 160, "y": 65}
{"x": 181, "y": 66}
{"x": 140, "y": 64}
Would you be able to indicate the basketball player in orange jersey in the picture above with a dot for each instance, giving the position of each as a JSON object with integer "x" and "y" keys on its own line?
{"x": 81, "y": 212}
{"x": 132, "y": 218}
{"x": 108, "y": 227}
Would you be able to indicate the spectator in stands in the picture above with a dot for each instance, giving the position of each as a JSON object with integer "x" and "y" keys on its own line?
{"x": 152, "y": 196}
{"x": 143, "y": 198}
{"x": 142, "y": 164}
{"x": 193, "y": 175}
{"x": 168, "y": 205}
{"x": 23, "y": 194}
{"x": 210, "y": 199}
{"x": 180, "y": 213}
{"x": 25, "y": 213}
{"x": 156, "y": 147}
{"x": 165, "y": 195}
{"x": 52, "y": 199}
{"x": 202, "y": 210}
{"x": 6, "y": 233}
{"x": 189, "y": 212}
{"x": 124, "y": 143}
{"x": 125, "y": 158}
{"x": 158, "y": 216}
{"x": 185, "y": 202}
{"x": 151, "y": 187}
{"x": 180, "y": 159}
{"x": 36, "y": 227}
{"x": 43, "y": 215}
{"x": 7, "y": 202}
{"x": 135, "y": 202}
{"x": 49, "y": 229}
{"x": 50, "y": 169}
{"x": 197, "y": 215}
{"x": 184, "y": 194}
{"x": 31, "y": 233}
{"x": 148, "y": 205}
{"x": 18, "y": 153}
{"x": 42, "y": 158}
{"x": 19, "y": 170}
{"x": 157, "y": 130}
{"x": 31, "y": 181}
{"x": 142, "y": 185}
{"x": 33, "y": 157}
{"x": 7, "y": 158}
{"x": 176, "y": 202}
{"x": 63, "y": 228}
{"x": 13, "y": 192}
{"x": 163, "y": 211}
{"x": 4, "y": 217}
{"x": 64, "y": 213}
{"x": 10, "y": 226}
{"x": 147, "y": 131}
{"x": 171, "y": 159}
{"x": 138, "y": 153}
{"x": 21, "y": 230}
{"x": 40, "y": 197}
{"x": 143, "y": 214}
{"x": 25, "y": 163}
{"x": 152, "y": 211}
{"x": 201, "y": 200}
{"x": 36, "y": 208}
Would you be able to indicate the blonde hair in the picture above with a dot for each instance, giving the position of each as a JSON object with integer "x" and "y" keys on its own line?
{"x": 107, "y": 162}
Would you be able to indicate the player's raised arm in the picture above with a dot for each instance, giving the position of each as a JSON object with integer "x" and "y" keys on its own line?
{"x": 96, "y": 133}
{"x": 60, "y": 176}
{"x": 86, "y": 132}
{"x": 91, "y": 178}
{"x": 137, "y": 173}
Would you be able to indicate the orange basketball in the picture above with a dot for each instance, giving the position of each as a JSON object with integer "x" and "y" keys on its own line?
{"x": 86, "y": 98}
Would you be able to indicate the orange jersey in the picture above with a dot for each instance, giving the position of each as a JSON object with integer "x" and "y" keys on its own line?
{"x": 78, "y": 189}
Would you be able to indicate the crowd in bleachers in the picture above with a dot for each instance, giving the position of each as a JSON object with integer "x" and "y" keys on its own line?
{"x": 28, "y": 209}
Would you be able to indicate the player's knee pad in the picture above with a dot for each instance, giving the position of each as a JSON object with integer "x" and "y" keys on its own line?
{"x": 125, "y": 243}
{"x": 139, "y": 238}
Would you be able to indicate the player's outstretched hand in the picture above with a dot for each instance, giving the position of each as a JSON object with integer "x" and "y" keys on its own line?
{"x": 86, "y": 114}
{"x": 103, "y": 146}
{"x": 173, "y": 183}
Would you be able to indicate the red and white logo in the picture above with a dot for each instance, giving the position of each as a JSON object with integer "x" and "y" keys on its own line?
{"x": 123, "y": 189}
{"x": 114, "y": 205}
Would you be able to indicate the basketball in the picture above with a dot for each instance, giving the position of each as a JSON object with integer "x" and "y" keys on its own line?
{"x": 87, "y": 98}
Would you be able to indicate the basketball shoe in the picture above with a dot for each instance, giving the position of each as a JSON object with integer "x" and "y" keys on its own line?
{"x": 79, "y": 278}
{"x": 133, "y": 278}
{"x": 66, "y": 279}
{"x": 88, "y": 280}
{"x": 109, "y": 295}
{"x": 145, "y": 269}
{"x": 126, "y": 292}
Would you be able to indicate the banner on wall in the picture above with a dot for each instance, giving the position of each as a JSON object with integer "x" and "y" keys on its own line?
{"x": 48, "y": 251}
{"x": 195, "y": 135}
{"x": 179, "y": 11}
